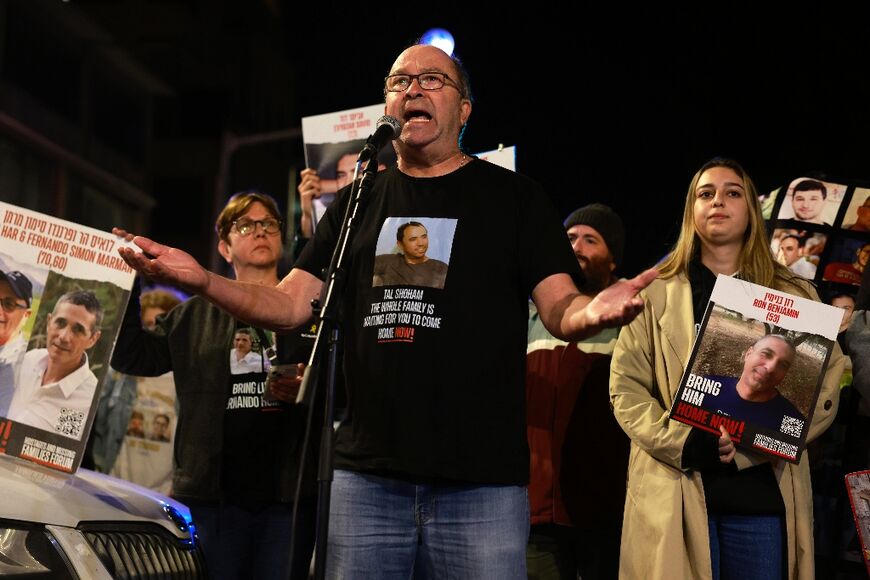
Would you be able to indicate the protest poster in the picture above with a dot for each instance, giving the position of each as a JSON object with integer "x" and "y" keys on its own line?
{"x": 332, "y": 143}
{"x": 757, "y": 367}
{"x": 64, "y": 290}
{"x": 820, "y": 230}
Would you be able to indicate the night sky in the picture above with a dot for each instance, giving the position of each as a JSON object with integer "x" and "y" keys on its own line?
{"x": 622, "y": 106}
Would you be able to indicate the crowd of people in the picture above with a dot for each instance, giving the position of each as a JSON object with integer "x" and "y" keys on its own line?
{"x": 537, "y": 445}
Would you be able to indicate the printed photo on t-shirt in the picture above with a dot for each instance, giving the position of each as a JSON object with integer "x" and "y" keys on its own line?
{"x": 246, "y": 353}
{"x": 414, "y": 251}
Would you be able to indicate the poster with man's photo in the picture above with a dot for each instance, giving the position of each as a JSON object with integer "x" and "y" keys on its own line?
{"x": 332, "y": 143}
{"x": 63, "y": 292}
{"x": 812, "y": 201}
{"x": 757, "y": 367}
{"x": 820, "y": 230}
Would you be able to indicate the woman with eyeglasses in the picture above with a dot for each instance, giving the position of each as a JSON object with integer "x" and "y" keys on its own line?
{"x": 236, "y": 450}
{"x": 697, "y": 507}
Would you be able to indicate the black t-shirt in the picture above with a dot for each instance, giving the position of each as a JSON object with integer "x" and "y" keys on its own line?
{"x": 254, "y": 427}
{"x": 435, "y": 375}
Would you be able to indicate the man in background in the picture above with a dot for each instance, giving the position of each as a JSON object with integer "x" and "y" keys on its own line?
{"x": 576, "y": 514}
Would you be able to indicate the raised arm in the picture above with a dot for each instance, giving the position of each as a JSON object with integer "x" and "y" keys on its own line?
{"x": 309, "y": 190}
{"x": 570, "y": 315}
{"x": 278, "y": 308}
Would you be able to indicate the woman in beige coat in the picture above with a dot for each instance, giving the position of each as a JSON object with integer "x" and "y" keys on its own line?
{"x": 685, "y": 491}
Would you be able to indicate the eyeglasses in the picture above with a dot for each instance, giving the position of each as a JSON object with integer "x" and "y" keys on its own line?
{"x": 10, "y": 305}
{"x": 428, "y": 81}
{"x": 246, "y": 227}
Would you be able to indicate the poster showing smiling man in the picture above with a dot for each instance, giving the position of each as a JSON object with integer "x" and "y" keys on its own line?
{"x": 757, "y": 366}
{"x": 332, "y": 143}
{"x": 63, "y": 292}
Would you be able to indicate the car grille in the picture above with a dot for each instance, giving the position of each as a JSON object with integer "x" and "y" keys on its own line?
{"x": 145, "y": 551}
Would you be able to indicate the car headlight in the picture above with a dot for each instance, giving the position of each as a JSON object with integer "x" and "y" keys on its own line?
{"x": 29, "y": 551}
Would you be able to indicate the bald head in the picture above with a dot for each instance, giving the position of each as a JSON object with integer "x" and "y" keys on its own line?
{"x": 449, "y": 65}
{"x": 432, "y": 117}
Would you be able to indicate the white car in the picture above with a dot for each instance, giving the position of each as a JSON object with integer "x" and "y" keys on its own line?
{"x": 90, "y": 526}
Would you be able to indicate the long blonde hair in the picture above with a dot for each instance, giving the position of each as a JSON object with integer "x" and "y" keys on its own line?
{"x": 756, "y": 261}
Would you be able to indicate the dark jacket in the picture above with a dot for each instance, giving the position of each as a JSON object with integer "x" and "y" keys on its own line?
{"x": 579, "y": 453}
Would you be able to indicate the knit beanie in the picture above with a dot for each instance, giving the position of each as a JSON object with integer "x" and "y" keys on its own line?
{"x": 604, "y": 221}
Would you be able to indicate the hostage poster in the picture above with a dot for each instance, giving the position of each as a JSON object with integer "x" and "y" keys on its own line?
{"x": 63, "y": 292}
{"x": 757, "y": 367}
{"x": 332, "y": 143}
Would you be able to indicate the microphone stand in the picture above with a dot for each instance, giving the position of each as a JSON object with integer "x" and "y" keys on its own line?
{"x": 328, "y": 338}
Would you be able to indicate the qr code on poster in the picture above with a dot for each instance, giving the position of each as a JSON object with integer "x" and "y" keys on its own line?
{"x": 70, "y": 423}
{"x": 792, "y": 426}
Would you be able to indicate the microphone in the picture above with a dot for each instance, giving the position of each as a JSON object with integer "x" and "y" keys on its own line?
{"x": 386, "y": 129}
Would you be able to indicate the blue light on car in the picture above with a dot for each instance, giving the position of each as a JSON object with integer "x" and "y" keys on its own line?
{"x": 184, "y": 522}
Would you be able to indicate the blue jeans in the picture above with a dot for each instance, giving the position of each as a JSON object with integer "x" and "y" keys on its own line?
{"x": 238, "y": 543}
{"x": 390, "y": 529}
{"x": 746, "y": 547}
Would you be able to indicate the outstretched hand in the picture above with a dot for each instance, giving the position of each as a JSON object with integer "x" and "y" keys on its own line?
{"x": 619, "y": 303}
{"x": 121, "y": 233}
{"x": 164, "y": 264}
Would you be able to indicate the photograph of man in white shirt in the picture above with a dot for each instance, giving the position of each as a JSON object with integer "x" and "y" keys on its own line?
{"x": 56, "y": 386}
{"x": 242, "y": 358}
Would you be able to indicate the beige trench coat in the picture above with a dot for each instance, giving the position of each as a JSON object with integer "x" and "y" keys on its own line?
{"x": 665, "y": 523}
